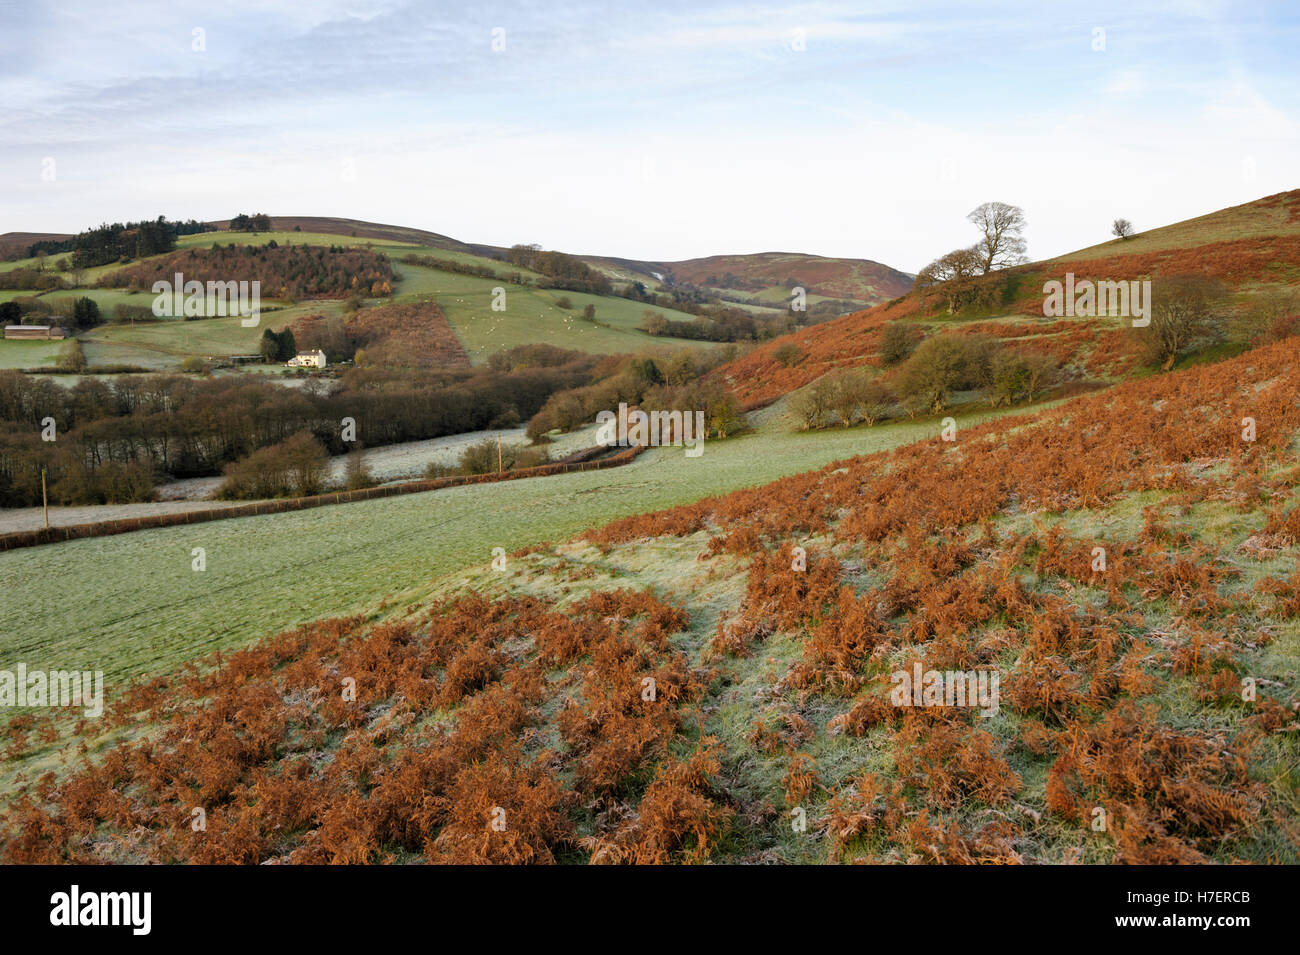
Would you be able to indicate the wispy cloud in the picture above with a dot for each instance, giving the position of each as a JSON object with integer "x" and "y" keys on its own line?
{"x": 685, "y": 128}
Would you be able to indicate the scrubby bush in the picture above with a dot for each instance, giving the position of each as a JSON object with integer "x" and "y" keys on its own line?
{"x": 898, "y": 341}
{"x": 1264, "y": 318}
{"x": 294, "y": 467}
{"x": 937, "y": 368}
{"x": 489, "y": 457}
{"x": 812, "y": 406}
{"x": 788, "y": 354}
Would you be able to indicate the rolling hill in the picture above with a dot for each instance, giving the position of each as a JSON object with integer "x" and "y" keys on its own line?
{"x": 1250, "y": 248}
{"x": 461, "y": 278}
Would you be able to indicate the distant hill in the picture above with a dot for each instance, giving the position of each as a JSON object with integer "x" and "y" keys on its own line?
{"x": 763, "y": 279}
{"x": 15, "y": 244}
{"x": 355, "y": 228}
{"x": 855, "y": 279}
{"x": 768, "y": 277}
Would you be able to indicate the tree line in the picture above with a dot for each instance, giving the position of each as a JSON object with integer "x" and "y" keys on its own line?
{"x": 652, "y": 382}
{"x": 113, "y": 440}
{"x": 284, "y": 271}
{"x": 564, "y": 271}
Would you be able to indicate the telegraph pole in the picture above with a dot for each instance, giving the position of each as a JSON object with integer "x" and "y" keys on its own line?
{"x": 45, "y": 503}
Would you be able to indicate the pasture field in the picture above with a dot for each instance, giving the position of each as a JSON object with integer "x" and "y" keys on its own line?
{"x": 531, "y": 315}
{"x": 139, "y": 608}
{"x": 163, "y": 345}
{"x": 28, "y": 354}
{"x": 203, "y": 240}
{"x": 104, "y": 298}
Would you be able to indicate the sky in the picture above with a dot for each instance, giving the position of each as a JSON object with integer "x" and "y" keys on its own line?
{"x": 657, "y": 131}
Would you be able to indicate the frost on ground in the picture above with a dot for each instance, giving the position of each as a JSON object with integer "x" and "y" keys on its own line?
{"x": 397, "y": 462}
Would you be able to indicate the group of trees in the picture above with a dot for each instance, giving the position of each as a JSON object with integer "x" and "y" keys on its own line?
{"x": 111, "y": 243}
{"x": 672, "y": 383}
{"x": 122, "y": 241}
{"x": 720, "y": 325}
{"x": 258, "y": 222}
{"x": 294, "y": 467}
{"x": 490, "y": 456}
{"x": 929, "y": 376}
{"x": 30, "y": 280}
{"x": 945, "y": 364}
{"x": 277, "y": 346}
{"x": 116, "y": 437}
{"x": 562, "y": 270}
{"x": 284, "y": 271}
{"x": 78, "y": 313}
{"x": 847, "y": 398}
{"x": 959, "y": 275}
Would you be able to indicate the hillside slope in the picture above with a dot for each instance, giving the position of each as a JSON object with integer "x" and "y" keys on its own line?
{"x": 685, "y": 685}
{"x": 1250, "y": 247}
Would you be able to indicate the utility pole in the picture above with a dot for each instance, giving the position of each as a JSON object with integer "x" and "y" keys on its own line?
{"x": 45, "y": 504}
{"x": 499, "y": 468}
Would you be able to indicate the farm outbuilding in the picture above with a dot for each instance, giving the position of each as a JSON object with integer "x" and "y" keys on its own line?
{"x": 34, "y": 331}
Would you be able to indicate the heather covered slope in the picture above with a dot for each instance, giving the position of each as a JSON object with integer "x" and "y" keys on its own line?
{"x": 685, "y": 685}
{"x": 1250, "y": 248}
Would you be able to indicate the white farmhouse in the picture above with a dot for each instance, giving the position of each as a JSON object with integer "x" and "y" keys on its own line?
{"x": 307, "y": 359}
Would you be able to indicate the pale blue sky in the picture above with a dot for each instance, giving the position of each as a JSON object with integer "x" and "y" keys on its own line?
{"x": 650, "y": 131}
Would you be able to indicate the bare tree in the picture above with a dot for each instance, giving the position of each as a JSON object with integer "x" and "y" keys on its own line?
{"x": 812, "y": 405}
{"x": 1182, "y": 315}
{"x": 958, "y": 276}
{"x": 957, "y": 264}
{"x": 1121, "y": 228}
{"x": 848, "y": 393}
{"x": 1003, "y": 242}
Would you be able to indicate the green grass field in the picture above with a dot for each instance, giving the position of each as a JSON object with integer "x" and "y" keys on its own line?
{"x": 28, "y": 354}
{"x": 531, "y": 315}
{"x": 131, "y": 604}
{"x": 165, "y": 344}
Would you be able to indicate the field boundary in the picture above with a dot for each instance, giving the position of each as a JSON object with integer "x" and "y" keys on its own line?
{"x": 54, "y": 535}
